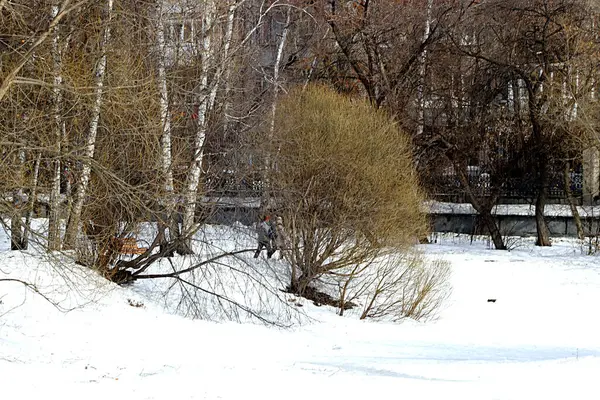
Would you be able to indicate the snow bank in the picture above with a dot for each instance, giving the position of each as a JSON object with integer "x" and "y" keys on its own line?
{"x": 540, "y": 339}
{"x": 551, "y": 210}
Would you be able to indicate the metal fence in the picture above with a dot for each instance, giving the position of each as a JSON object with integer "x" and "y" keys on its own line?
{"x": 444, "y": 187}
{"x": 447, "y": 186}
{"x": 229, "y": 184}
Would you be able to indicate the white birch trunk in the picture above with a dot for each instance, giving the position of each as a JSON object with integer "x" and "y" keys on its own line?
{"x": 193, "y": 178}
{"x": 313, "y": 66}
{"x": 276, "y": 87}
{"x": 423, "y": 60}
{"x": 54, "y": 214}
{"x": 168, "y": 200}
{"x": 90, "y": 146}
{"x": 276, "y": 68}
{"x": 593, "y": 78}
{"x": 247, "y": 37}
{"x": 565, "y": 95}
{"x": 575, "y": 104}
{"x": 165, "y": 121}
{"x": 511, "y": 98}
{"x": 227, "y": 109}
{"x": 224, "y": 64}
{"x": 227, "y": 79}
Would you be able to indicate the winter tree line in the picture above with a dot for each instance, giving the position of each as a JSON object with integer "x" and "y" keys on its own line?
{"x": 341, "y": 116}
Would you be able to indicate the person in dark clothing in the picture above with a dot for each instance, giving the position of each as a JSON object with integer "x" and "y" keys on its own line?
{"x": 266, "y": 234}
{"x": 281, "y": 239}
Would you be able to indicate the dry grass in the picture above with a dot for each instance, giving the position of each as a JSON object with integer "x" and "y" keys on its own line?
{"x": 403, "y": 286}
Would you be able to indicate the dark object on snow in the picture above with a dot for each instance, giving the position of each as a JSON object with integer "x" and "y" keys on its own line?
{"x": 266, "y": 234}
{"x": 491, "y": 300}
{"x": 319, "y": 298}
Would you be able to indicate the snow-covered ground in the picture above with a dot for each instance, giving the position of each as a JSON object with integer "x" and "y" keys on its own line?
{"x": 528, "y": 210}
{"x": 539, "y": 340}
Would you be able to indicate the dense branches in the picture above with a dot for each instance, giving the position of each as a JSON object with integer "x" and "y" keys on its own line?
{"x": 116, "y": 114}
{"x": 343, "y": 182}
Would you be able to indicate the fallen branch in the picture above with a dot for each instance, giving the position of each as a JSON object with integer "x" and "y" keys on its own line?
{"x": 34, "y": 289}
{"x": 234, "y": 303}
{"x": 175, "y": 274}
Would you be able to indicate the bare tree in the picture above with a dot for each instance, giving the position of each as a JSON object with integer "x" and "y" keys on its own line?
{"x": 203, "y": 99}
{"x": 66, "y": 7}
{"x": 168, "y": 201}
{"x": 387, "y": 59}
{"x": 90, "y": 142}
{"x": 528, "y": 42}
{"x": 54, "y": 242}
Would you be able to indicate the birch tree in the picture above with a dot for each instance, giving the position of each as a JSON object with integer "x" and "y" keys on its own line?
{"x": 166, "y": 161}
{"x": 212, "y": 69}
{"x": 227, "y": 75}
{"x": 190, "y": 191}
{"x": 90, "y": 142}
{"x": 277, "y": 67}
{"x": 422, "y": 62}
{"x": 58, "y": 134}
{"x": 276, "y": 88}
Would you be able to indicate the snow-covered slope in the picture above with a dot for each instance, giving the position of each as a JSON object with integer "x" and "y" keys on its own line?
{"x": 539, "y": 340}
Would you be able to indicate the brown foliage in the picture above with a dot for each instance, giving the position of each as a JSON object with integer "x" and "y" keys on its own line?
{"x": 343, "y": 181}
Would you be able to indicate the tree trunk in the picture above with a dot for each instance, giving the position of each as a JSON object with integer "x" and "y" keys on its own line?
{"x": 543, "y": 233}
{"x": 299, "y": 285}
{"x": 422, "y": 62}
{"x": 16, "y": 225}
{"x": 490, "y": 223}
{"x": 484, "y": 210}
{"x": 571, "y": 200}
{"x": 75, "y": 217}
{"x": 280, "y": 48}
{"x": 16, "y": 222}
{"x": 32, "y": 198}
{"x": 167, "y": 201}
{"x": 206, "y": 98}
{"x": 208, "y": 94}
{"x": 276, "y": 68}
{"x": 54, "y": 213}
{"x": 536, "y": 100}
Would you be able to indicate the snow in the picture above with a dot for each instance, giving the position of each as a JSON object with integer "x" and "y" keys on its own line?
{"x": 528, "y": 210}
{"x": 539, "y": 340}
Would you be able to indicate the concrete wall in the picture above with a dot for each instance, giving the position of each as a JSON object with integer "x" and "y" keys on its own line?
{"x": 247, "y": 213}
{"x": 510, "y": 225}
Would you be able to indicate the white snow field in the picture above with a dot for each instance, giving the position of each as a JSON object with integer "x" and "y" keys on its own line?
{"x": 539, "y": 340}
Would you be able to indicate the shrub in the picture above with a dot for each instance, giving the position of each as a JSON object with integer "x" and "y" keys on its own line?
{"x": 342, "y": 178}
{"x": 405, "y": 286}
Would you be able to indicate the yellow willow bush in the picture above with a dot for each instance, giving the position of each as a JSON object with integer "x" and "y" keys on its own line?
{"x": 341, "y": 176}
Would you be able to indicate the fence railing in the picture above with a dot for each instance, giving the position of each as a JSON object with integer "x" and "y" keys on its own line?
{"x": 444, "y": 187}
{"x": 448, "y": 185}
